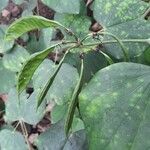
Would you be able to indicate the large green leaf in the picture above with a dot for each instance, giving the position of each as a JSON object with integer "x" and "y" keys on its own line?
{"x": 7, "y": 79}
{"x": 11, "y": 140}
{"x": 112, "y": 12}
{"x": 29, "y": 23}
{"x": 23, "y": 109}
{"x": 30, "y": 66}
{"x": 14, "y": 59}
{"x": 125, "y": 20}
{"x": 55, "y": 138}
{"x": 4, "y": 45}
{"x": 77, "y": 23}
{"x": 64, "y": 6}
{"x": 63, "y": 84}
{"x": 115, "y": 108}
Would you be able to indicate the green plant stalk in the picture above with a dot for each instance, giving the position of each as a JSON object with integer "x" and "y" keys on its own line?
{"x": 123, "y": 40}
{"x": 124, "y": 49}
{"x": 73, "y": 103}
{"x": 107, "y": 58}
{"x": 44, "y": 91}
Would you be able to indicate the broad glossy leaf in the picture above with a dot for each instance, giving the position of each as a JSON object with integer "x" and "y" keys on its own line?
{"x": 14, "y": 59}
{"x": 11, "y": 140}
{"x": 125, "y": 20}
{"x": 29, "y": 23}
{"x": 4, "y": 45}
{"x": 7, "y": 79}
{"x": 63, "y": 84}
{"x": 64, "y": 6}
{"x": 115, "y": 107}
{"x": 78, "y": 24}
{"x": 26, "y": 111}
{"x": 55, "y": 138}
{"x": 30, "y": 66}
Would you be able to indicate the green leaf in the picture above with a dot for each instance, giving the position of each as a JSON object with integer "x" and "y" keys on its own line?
{"x": 64, "y": 6}
{"x": 29, "y": 23}
{"x": 125, "y": 20}
{"x": 30, "y": 66}
{"x": 4, "y": 45}
{"x": 55, "y": 138}
{"x": 109, "y": 13}
{"x": 14, "y": 59}
{"x": 10, "y": 140}
{"x": 44, "y": 90}
{"x": 77, "y": 23}
{"x": 147, "y": 55}
{"x": 74, "y": 101}
{"x": 139, "y": 29}
{"x": 63, "y": 84}
{"x": 23, "y": 109}
{"x": 3, "y": 4}
{"x": 115, "y": 107}
{"x": 59, "y": 112}
{"x": 7, "y": 79}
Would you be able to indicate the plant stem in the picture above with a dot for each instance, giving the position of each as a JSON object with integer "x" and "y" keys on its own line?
{"x": 114, "y": 41}
{"x": 25, "y": 133}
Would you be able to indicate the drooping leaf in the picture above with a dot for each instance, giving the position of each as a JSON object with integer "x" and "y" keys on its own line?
{"x": 64, "y": 6}
{"x": 11, "y": 140}
{"x": 125, "y": 20}
{"x": 23, "y": 109}
{"x": 14, "y": 59}
{"x": 74, "y": 100}
{"x": 115, "y": 107}
{"x": 63, "y": 84}
{"x": 30, "y": 66}
{"x": 62, "y": 87}
{"x": 29, "y": 23}
{"x": 7, "y": 79}
{"x": 4, "y": 45}
{"x": 78, "y": 24}
{"x": 55, "y": 138}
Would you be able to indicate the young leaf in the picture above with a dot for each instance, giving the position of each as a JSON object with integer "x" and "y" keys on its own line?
{"x": 45, "y": 89}
{"x": 26, "y": 24}
{"x": 73, "y": 102}
{"x": 30, "y": 66}
{"x": 115, "y": 107}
